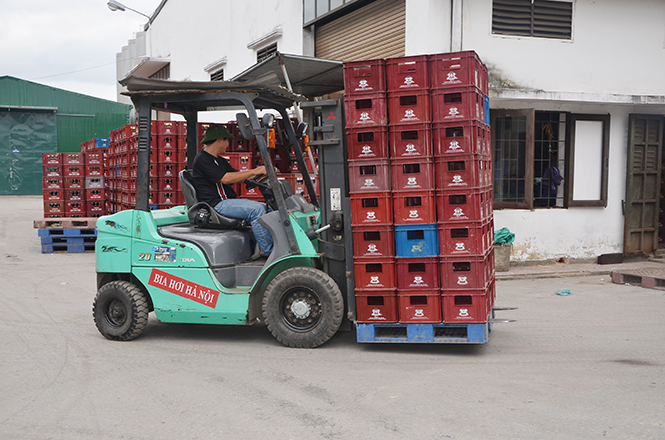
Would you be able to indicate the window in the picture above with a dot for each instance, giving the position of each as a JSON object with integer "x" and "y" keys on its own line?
{"x": 217, "y": 76}
{"x": 533, "y": 18}
{"x": 313, "y": 10}
{"x": 266, "y": 52}
{"x": 549, "y": 159}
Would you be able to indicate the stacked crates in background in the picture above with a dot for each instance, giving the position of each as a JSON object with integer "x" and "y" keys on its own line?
{"x": 53, "y": 185}
{"x": 429, "y": 188}
{"x": 463, "y": 185}
{"x": 370, "y": 187}
{"x": 412, "y": 164}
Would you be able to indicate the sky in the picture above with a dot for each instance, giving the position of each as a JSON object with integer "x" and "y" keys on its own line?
{"x": 68, "y": 44}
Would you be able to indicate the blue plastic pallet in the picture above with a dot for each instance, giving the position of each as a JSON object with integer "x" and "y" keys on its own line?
{"x": 76, "y": 248}
{"x": 68, "y": 232}
{"x": 423, "y": 333}
{"x": 67, "y": 240}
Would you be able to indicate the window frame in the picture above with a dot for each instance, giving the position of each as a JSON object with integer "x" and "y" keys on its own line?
{"x": 516, "y": 23}
{"x": 605, "y": 157}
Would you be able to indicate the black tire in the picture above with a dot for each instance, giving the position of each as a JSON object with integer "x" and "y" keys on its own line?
{"x": 319, "y": 313}
{"x": 120, "y": 310}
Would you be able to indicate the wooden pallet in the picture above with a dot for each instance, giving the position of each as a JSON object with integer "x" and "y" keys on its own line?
{"x": 652, "y": 278}
{"x": 66, "y": 223}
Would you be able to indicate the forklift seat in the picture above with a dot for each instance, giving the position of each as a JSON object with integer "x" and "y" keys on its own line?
{"x": 201, "y": 214}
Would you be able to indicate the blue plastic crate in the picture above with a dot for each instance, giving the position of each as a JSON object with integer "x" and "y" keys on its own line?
{"x": 102, "y": 142}
{"x": 417, "y": 240}
{"x": 487, "y": 110}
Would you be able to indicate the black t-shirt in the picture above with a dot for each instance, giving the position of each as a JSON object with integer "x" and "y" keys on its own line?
{"x": 207, "y": 174}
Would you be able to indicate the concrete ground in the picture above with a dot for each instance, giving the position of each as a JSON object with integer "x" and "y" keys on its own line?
{"x": 590, "y": 365}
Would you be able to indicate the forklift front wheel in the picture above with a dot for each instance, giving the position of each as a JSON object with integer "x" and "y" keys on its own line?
{"x": 303, "y": 307}
{"x": 120, "y": 311}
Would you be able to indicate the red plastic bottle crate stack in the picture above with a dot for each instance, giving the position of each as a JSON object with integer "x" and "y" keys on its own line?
{"x": 439, "y": 184}
{"x": 412, "y": 163}
{"x": 463, "y": 186}
{"x": 370, "y": 187}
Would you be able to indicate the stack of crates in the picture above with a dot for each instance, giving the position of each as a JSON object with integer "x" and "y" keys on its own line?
{"x": 370, "y": 187}
{"x": 73, "y": 184}
{"x": 168, "y": 155}
{"x": 463, "y": 185}
{"x": 420, "y": 170}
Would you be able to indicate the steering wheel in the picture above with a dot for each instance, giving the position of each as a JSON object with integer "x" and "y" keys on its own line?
{"x": 262, "y": 182}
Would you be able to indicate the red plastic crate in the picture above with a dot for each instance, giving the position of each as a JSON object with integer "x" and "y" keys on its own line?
{"x": 414, "y": 207}
{"x": 52, "y": 171}
{"x": 168, "y": 142}
{"x": 409, "y": 141}
{"x": 74, "y": 182}
{"x": 364, "y": 76}
{"x": 461, "y": 138}
{"x": 166, "y": 156}
{"x": 93, "y": 182}
{"x": 457, "y": 69}
{"x": 409, "y": 107}
{"x": 464, "y": 206}
{"x": 366, "y": 110}
{"x": 240, "y": 161}
{"x": 472, "y": 238}
{"x": 376, "y": 306}
{"x": 73, "y": 159}
{"x": 166, "y": 198}
{"x": 369, "y": 177}
{"x": 374, "y": 273}
{"x": 168, "y": 184}
{"x": 181, "y": 128}
{"x": 468, "y": 172}
{"x": 417, "y": 273}
{"x": 181, "y": 142}
{"x": 54, "y": 195}
{"x": 367, "y": 143}
{"x": 167, "y": 128}
{"x": 370, "y": 209}
{"x": 94, "y": 158}
{"x": 374, "y": 241}
{"x": 203, "y": 126}
{"x": 94, "y": 170}
{"x": 95, "y": 194}
{"x": 75, "y": 207}
{"x": 419, "y": 306}
{"x": 74, "y": 170}
{"x": 95, "y": 208}
{"x": 413, "y": 174}
{"x": 54, "y": 208}
{"x": 166, "y": 170}
{"x": 407, "y": 73}
{"x": 465, "y": 308}
{"x": 51, "y": 159}
{"x": 466, "y": 272}
{"x": 74, "y": 195}
{"x": 458, "y": 104}
{"x": 52, "y": 183}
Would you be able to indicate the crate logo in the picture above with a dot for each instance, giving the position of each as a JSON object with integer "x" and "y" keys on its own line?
{"x": 419, "y": 313}
{"x": 418, "y": 281}
{"x": 376, "y": 315}
{"x": 459, "y": 247}
{"x": 457, "y": 181}
{"x": 410, "y": 149}
{"x": 408, "y": 82}
{"x": 372, "y": 249}
{"x": 454, "y": 147}
{"x": 414, "y": 214}
{"x": 410, "y": 115}
{"x": 458, "y": 214}
{"x": 367, "y": 151}
{"x": 365, "y": 118}
{"x": 412, "y": 181}
{"x": 371, "y": 215}
{"x": 462, "y": 281}
{"x": 453, "y": 113}
{"x": 417, "y": 248}
{"x": 451, "y": 78}
{"x": 463, "y": 313}
{"x": 184, "y": 288}
{"x": 363, "y": 85}
{"x": 369, "y": 183}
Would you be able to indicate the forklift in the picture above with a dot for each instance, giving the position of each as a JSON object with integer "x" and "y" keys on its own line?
{"x": 190, "y": 264}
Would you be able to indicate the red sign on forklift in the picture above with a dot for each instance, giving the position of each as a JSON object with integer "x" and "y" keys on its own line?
{"x": 184, "y": 288}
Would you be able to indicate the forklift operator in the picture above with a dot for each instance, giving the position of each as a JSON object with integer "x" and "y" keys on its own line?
{"x": 213, "y": 175}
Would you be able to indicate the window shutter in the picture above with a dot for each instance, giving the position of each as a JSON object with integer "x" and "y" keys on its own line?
{"x": 540, "y": 18}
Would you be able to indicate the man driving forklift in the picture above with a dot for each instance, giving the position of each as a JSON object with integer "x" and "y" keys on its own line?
{"x": 213, "y": 175}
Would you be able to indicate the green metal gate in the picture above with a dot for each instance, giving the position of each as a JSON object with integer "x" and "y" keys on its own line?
{"x": 24, "y": 136}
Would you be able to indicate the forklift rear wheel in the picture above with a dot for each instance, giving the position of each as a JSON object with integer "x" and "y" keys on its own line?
{"x": 303, "y": 307}
{"x": 120, "y": 311}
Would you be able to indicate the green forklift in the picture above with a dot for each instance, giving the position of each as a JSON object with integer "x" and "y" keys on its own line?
{"x": 189, "y": 264}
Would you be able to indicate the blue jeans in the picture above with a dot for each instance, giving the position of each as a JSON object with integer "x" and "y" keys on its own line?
{"x": 248, "y": 210}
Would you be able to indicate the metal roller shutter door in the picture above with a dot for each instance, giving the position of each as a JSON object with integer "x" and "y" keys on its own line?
{"x": 373, "y": 31}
